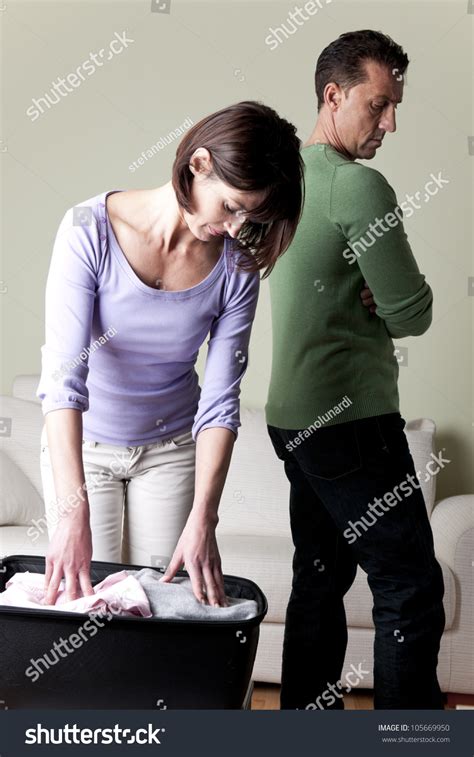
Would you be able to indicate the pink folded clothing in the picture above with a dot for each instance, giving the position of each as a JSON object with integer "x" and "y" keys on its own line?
{"x": 119, "y": 594}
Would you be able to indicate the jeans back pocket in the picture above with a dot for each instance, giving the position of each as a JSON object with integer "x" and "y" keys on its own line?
{"x": 327, "y": 453}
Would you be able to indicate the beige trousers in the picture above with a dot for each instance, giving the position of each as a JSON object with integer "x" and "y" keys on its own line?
{"x": 139, "y": 497}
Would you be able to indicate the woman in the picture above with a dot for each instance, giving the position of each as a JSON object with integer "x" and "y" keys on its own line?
{"x": 138, "y": 279}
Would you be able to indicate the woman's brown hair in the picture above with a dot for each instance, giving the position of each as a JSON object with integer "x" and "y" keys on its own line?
{"x": 252, "y": 149}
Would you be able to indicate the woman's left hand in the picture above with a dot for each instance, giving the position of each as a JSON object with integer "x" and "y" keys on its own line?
{"x": 197, "y": 549}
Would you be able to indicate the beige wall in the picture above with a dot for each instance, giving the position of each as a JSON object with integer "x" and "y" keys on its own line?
{"x": 190, "y": 62}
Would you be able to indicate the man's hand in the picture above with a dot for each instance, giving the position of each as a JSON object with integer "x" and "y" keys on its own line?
{"x": 367, "y": 298}
{"x": 197, "y": 549}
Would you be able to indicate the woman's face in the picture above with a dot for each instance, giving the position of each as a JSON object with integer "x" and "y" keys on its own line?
{"x": 219, "y": 209}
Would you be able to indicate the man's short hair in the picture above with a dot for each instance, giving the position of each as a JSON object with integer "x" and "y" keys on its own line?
{"x": 343, "y": 61}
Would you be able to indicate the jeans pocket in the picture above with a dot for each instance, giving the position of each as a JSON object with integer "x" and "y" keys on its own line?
{"x": 328, "y": 453}
{"x": 390, "y": 433}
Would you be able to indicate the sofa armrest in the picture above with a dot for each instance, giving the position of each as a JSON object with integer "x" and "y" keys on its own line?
{"x": 453, "y": 530}
{"x": 452, "y": 520}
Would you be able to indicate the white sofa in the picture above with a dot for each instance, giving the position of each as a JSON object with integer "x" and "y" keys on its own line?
{"x": 254, "y": 535}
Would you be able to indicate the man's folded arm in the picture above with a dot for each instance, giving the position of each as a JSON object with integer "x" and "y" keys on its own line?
{"x": 365, "y": 209}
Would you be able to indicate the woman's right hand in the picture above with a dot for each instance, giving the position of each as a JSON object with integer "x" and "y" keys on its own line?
{"x": 70, "y": 549}
{"x": 69, "y": 555}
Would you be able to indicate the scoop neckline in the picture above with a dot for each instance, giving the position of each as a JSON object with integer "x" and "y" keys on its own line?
{"x": 163, "y": 293}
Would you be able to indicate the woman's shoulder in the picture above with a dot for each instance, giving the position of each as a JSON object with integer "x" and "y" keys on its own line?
{"x": 239, "y": 282}
{"x": 126, "y": 205}
{"x": 82, "y": 230}
{"x": 236, "y": 257}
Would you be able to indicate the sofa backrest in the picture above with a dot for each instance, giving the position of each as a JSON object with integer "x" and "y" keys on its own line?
{"x": 255, "y": 499}
{"x": 255, "y": 496}
{"x": 420, "y": 434}
{"x": 20, "y": 432}
{"x": 256, "y": 492}
{"x": 24, "y": 387}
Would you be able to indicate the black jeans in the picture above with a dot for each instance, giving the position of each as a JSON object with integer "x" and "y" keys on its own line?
{"x": 336, "y": 473}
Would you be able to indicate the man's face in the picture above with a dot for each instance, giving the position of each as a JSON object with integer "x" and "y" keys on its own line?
{"x": 367, "y": 111}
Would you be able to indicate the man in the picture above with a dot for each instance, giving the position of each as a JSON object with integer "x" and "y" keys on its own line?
{"x": 333, "y": 406}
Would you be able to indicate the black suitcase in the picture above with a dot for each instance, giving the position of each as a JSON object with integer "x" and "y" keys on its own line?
{"x": 129, "y": 663}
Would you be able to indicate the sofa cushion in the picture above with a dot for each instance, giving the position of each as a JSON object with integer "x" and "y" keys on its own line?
{"x": 19, "y": 500}
{"x": 14, "y": 540}
{"x": 20, "y": 436}
{"x": 268, "y": 562}
{"x": 358, "y": 600}
{"x": 264, "y": 560}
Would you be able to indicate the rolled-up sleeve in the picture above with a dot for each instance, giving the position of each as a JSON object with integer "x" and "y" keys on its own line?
{"x": 70, "y": 294}
{"x": 227, "y": 356}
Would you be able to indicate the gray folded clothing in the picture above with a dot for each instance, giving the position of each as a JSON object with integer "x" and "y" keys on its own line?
{"x": 176, "y": 600}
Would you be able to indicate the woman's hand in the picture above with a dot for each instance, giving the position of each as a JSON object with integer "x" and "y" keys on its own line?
{"x": 197, "y": 549}
{"x": 197, "y": 545}
{"x": 69, "y": 555}
{"x": 70, "y": 550}
{"x": 367, "y": 298}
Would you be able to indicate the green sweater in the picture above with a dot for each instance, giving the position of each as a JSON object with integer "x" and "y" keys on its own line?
{"x": 326, "y": 344}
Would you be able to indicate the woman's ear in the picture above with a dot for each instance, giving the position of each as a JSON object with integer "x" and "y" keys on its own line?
{"x": 201, "y": 162}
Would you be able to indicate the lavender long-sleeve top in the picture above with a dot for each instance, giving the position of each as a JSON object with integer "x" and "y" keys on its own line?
{"x": 124, "y": 353}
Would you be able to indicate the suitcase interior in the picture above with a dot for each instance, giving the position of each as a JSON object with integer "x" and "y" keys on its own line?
{"x": 128, "y": 663}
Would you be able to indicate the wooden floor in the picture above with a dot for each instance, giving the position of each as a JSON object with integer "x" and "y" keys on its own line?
{"x": 266, "y": 696}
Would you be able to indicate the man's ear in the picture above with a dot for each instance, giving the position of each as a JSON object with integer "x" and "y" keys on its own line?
{"x": 332, "y": 95}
